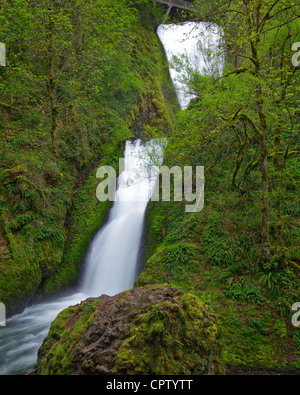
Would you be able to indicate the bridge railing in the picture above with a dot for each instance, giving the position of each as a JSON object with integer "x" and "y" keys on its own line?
{"x": 185, "y": 5}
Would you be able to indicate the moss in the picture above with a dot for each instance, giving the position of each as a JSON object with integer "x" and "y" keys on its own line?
{"x": 252, "y": 334}
{"x": 88, "y": 214}
{"x": 221, "y": 266}
{"x": 280, "y": 328}
{"x": 175, "y": 264}
{"x": 47, "y": 231}
{"x": 58, "y": 343}
{"x": 170, "y": 339}
{"x": 170, "y": 332}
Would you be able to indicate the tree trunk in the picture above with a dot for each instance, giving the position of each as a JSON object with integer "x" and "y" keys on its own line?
{"x": 51, "y": 84}
{"x": 54, "y": 110}
{"x": 265, "y": 231}
{"x": 265, "y": 200}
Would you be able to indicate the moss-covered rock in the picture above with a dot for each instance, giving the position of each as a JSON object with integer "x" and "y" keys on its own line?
{"x": 155, "y": 329}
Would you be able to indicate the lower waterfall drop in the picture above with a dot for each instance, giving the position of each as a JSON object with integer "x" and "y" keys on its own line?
{"x": 112, "y": 258}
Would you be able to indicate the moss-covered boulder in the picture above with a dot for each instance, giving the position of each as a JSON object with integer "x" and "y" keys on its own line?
{"x": 154, "y": 329}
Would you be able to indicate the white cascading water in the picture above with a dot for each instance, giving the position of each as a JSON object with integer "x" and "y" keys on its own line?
{"x": 196, "y": 48}
{"x": 113, "y": 254}
{"x": 112, "y": 258}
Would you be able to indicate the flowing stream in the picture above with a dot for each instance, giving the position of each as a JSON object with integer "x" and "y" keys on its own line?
{"x": 113, "y": 254}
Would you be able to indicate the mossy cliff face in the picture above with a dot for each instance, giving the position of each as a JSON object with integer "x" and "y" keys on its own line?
{"x": 48, "y": 208}
{"x": 155, "y": 329}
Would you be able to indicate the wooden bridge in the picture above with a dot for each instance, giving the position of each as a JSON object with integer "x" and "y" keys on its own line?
{"x": 182, "y": 4}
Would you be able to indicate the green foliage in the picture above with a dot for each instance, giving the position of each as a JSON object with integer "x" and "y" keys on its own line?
{"x": 179, "y": 254}
{"x": 296, "y": 338}
{"x": 21, "y": 220}
{"x": 71, "y": 94}
{"x": 79, "y": 75}
{"x": 49, "y": 230}
{"x": 244, "y": 291}
{"x": 258, "y": 325}
{"x": 180, "y": 261}
{"x": 171, "y": 335}
{"x": 219, "y": 252}
{"x": 221, "y": 130}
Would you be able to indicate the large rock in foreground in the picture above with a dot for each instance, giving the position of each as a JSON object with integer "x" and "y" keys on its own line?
{"x": 154, "y": 329}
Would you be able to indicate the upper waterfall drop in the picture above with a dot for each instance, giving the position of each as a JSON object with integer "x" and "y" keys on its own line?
{"x": 191, "y": 47}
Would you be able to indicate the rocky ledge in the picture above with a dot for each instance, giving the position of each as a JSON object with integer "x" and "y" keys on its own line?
{"x": 153, "y": 329}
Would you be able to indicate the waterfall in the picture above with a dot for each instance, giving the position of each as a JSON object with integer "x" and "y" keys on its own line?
{"x": 113, "y": 253}
{"x": 112, "y": 259}
{"x": 191, "y": 47}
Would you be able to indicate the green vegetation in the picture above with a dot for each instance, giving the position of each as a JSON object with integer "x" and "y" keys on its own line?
{"x": 170, "y": 333}
{"x": 241, "y": 253}
{"x": 171, "y": 338}
{"x": 82, "y": 76}
{"x": 74, "y": 89}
